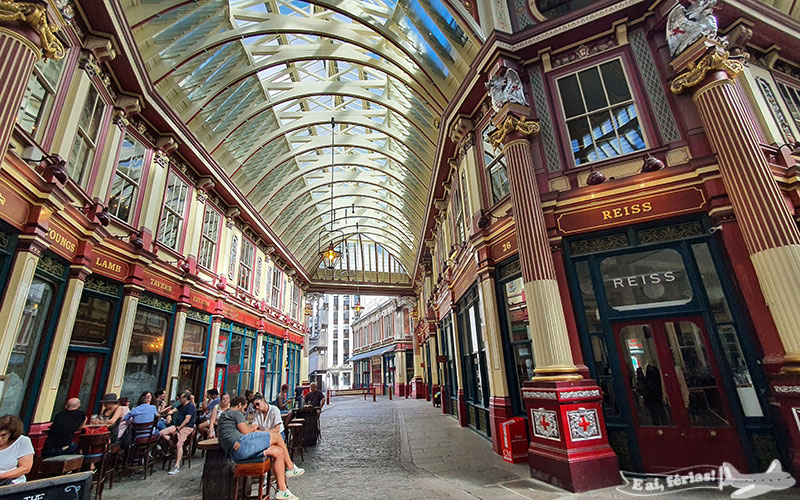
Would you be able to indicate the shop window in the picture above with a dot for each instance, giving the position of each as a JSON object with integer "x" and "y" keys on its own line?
{"x": 222, "y": 348}
{"x": 171, "y": 226}
{"x": 234, "y": 367}
{"x": 246, "y": 265}
{"x": 277, "y": 277}
{"x": 146, "y": 353}
{"x": 247, "y": 363}
{"x": 94, "y": 321}
{"x": 655, "y": 278}
{"x": 726, "y": 330}
{"x": 125, "y": 187}
{"x": 518, "y": 329}
{"x": 209, "y": 239}
{"x": 40, "y": 96}
{"x": 84, "y": 149}
{"x": 30, "y": 335}
{"x": 194, "y": 338}
{"x": 651, "y": 403}
{"x": 602, "y": 121}
{"x": 495, "y": 164}
{"x": 791, "y": 96}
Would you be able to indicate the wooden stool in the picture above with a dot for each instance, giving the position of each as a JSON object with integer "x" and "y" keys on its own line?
{"x": 60, "y": 465}
{"x": 259, "y": 466}
{"x": 301, "y": 421}
{"x": 296, "y": 440}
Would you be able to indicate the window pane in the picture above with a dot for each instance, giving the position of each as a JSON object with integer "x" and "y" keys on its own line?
{"x": 640, "y": 356}
{"x": 571, "y": 96}
{"x": 604, "y": 135}
{"x": 627, "y": 124}
{"x": 590, "y": 309}
{"x": 20, "y": 365}
{"x": 655, "y": 278}
{"x": 499, "y": 177}
{"x": 592, "y": 88}
{"x": 146, "y": 353}
{"x": 33, "y": 104}
{"x": 94, "y": 320}
{"x": 194, "y": 338}
{"x": 581, "y": 141}
{"x": 614, "y": 80}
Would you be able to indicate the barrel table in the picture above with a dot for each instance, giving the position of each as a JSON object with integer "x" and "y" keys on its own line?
{"x": 217, "y": 481}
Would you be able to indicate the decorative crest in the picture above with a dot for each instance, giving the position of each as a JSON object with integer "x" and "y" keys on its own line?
{"x": 687, "y": 25}
{"x": 506, "y": 88}
{"x": 715, "y": 59}
{"x": 34, "y": 14}
{"x": 510, "y": 125}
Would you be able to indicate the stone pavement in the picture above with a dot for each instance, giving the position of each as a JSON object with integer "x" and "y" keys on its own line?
{"x": 400, "y": 449}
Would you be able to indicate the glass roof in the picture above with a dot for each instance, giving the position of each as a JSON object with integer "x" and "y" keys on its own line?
{"x": 259, "y": 81}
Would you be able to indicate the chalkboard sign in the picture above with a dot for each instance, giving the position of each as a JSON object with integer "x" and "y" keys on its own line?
{"x": 70, "y": 487}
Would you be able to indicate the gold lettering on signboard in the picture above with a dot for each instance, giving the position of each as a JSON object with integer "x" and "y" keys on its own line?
{"x": 627, "y": 210}
{"x": 160, "y": 284}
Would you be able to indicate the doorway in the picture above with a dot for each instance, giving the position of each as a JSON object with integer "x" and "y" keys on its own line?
{"x": 681, "y": 413}
{"x": 190, "y": 375}
{"x": 80, "y": 379}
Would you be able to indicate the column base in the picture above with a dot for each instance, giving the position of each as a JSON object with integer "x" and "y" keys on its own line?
{"x": 569, "y": 442}
{"x": 500, "y": 410}
{"x": 432, "y": 398}
{"x": 417, "y": 389}
{"x": 786, "y": 391}
{"x": 462, "y": 408}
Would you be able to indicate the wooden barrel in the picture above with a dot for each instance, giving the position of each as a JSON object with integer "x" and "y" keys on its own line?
{"x": 217, "y": 480}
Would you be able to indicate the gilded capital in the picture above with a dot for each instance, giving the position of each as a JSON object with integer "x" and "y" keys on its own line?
{"x": 33, "y": 14}
{"x": 715, "y": 59}
{"x": 510, "y": 125}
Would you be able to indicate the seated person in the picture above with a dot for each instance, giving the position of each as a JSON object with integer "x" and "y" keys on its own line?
{"x": 65, "y": 424}
{"x": 203, "y": 421}
{"x": 241, "y": 441}
{"x": 186, "y": 415}
{"x": 16, "y": 451}
{"x": 222, "y": 407}
{"x": 283, "y": 399}
{"x": 144, "y": 413}
{"x": 268, "y": 417}
{"x": 112, "y": 413}
{"x": 314, "y": 397}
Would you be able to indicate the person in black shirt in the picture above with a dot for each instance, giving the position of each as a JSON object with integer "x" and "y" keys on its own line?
{"x": 61, "y": 433}
{"x": 315, "y": 397}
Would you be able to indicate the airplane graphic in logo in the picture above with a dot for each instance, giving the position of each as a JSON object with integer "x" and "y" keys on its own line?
{"x": 751, "y": 485}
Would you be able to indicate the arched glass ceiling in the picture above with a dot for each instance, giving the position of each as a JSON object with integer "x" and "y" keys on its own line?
{"x": 258, "y": 83}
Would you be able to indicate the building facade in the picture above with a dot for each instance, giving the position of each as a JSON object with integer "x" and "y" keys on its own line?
{"x": 611, "y": 247}
{"x": 127, "y": 265}
{"x": 382, "y": 347}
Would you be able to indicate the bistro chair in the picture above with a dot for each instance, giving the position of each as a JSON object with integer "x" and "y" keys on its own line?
{"x": 95, "y": 450}
{"x": 141, "y": 453}
{"x": 296, "y": 439}
{"x": 259, "y": 466}
{"x": 173, "y": 448}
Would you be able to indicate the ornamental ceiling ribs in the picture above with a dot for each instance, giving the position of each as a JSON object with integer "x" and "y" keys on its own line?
{"x": 257, "y": 82}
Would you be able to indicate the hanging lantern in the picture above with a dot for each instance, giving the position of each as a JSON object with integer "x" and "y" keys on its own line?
{"x": 331, "y": 257}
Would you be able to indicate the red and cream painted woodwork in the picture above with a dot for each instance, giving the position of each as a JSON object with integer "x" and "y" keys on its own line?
{"x": 25, "y": 36}
{"x": 548, "y": 326}
{"x": 770, "y": 234}
{"x": 570, "y": 462}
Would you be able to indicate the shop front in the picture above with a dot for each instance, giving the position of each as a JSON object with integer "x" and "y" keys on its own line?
{"x": 271, "y": 356}
{"x": 91, "y": 343}
{"x": 666, "y": 337}
{"x": 196, "y": 335}
{"x": 235, "y": 351}
{"x": 515, "y": 334}
{"x": 473, "y": 362}
{"x": 146, "y": 365}
{"x": 388, "y": 372}
{"x": 293, "y": 353}
{"x": 449, "y": 358}
{"x": 22, "y": 379}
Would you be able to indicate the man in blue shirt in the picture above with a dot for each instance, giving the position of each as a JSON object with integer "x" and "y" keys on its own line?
{"x": 185, "y": 416}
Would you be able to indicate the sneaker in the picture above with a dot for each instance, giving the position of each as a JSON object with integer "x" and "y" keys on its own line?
{"x": 296, "y": 472}
{"x": 285, "y": 495}
{"x": 174, "y": 471}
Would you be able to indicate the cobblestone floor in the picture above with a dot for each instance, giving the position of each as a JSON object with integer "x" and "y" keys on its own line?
{"x": 401, "y": 449}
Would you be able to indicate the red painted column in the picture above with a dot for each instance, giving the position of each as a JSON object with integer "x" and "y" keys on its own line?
{"x": 568, "y": 439}
{"x": 770, "y": 234}
{"x": 22, "y": 42}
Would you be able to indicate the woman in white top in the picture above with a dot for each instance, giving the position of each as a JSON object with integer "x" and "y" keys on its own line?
{"x": 16, "y": 451}
{"x": 224, "y": 404}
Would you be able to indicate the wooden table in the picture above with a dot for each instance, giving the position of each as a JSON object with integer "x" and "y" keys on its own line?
{"x": 217, "y": 481}
{"x": 60, "y": 465}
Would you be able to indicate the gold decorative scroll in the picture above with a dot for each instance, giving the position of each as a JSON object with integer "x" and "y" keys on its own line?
{"x": 510, "y": 125}
{"x": 715, "y": 59}
{"x": 35, "y": 16}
